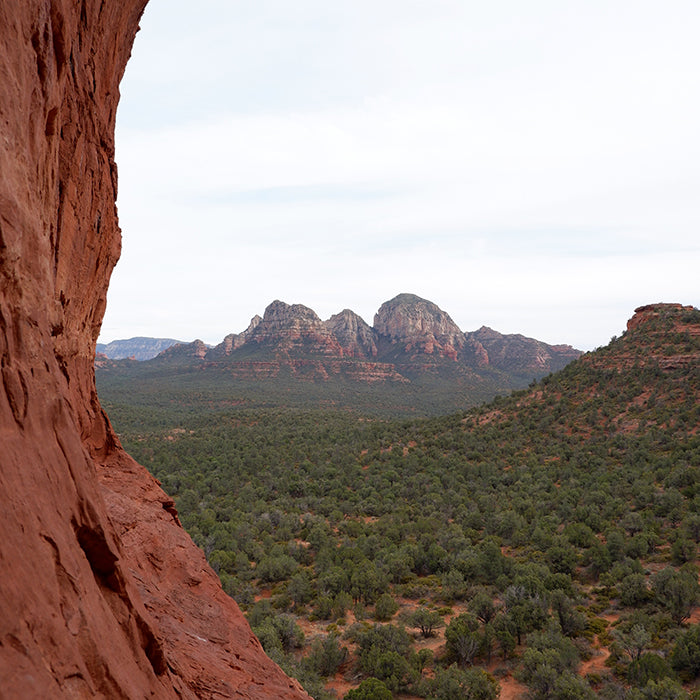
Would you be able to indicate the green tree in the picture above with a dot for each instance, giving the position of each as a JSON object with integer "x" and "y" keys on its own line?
{"x": 665, "y": 689}
{"x": 370, "y": 689}
{"x": 462, "y": 638}
{"x": 290, "y": 634}
{"x": 427, "y": 621}
{"x": 367, "y": 583}
{"x": 454, "y": 586}
{"x": 549, "y": 673}
{"x": 677, "y": 591}
{"x": 599, "y": 559}
{"x": 571, "y": 621}
{"x": 634, "y": 641}
{"x": 632, "y": 522}
{"x": 327, "y": 655}
{"x": 685, "y": 656}
{"x": 492, "y": 563}
{"x": 683, "y": 550}
{"x": 334, "y": 580}
{"x": 562, "y": 558}
{"x": 527, "y": 610}
{"x": 395, "y": 670}
{"x": 691, "y": 526}
{"x": 569, "y": 686}
{"x": 469, "y": 684}
{"x": 548, "y": 650}
{"x": 648, "y": 667}
{"x": 633, "y": 590}
{"x": 277, "y": 566}
{"x": 383, "y": 653}
{"x": 341, "y": 603}
{"x": 300, "y": 589}
{"x": 324, "y": 607}
{"x": 269, "y": 638}
{"x": 385, "y": 607}
{"x": 505, "y": 631}
{"x": 483, "y": 607}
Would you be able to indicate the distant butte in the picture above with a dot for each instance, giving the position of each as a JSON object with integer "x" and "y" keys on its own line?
{"x": 103, "y": 593}
{"x": 410, "y": 337}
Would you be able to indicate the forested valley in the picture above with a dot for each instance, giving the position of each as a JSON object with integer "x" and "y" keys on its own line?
{"x": 544, "y": 545}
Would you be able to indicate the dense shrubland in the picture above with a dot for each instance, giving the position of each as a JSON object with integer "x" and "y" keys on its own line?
{"x": 550, "y": 536}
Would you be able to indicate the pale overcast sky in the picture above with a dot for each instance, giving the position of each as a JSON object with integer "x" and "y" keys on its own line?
{"x": 530, "y": 166}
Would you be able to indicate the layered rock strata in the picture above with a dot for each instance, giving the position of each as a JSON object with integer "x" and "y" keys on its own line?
{"x": 409, "y": 333}
{"x": 412, "y": 339}
{"x": 102, "y": 592}
{"x": 419, "y": 327}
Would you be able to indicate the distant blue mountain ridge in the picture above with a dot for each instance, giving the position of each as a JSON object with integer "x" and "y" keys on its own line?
{"x": 136, "y": 348}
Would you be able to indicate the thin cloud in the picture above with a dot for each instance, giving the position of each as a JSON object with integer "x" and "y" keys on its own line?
{"x": 512, "y": 163}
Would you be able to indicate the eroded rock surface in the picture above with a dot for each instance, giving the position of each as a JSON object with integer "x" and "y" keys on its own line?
{"x": 294, "y": 330}
{"x": 102, "y": 592}
{"x": 412, "y": 340}
{"x": 418, "y": 327}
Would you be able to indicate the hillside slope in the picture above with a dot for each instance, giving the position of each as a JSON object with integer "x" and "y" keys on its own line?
{"x": 550, "y": 536}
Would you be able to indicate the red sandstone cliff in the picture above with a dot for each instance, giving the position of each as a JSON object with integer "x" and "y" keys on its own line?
{"x": 294, "y": 330}
{"x": 649, "y": 312}
{"x": 102, "y": 594}
{"x": 418, "y": 327}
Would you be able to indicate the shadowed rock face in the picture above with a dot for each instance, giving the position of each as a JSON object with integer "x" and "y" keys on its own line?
{"x": 294, "y": 329}
{"x": 102, "y": 594}
{"x": 356, "y": 338}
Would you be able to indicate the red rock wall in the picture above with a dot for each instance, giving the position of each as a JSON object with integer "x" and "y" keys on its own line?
{"x": 102, "y": 594}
